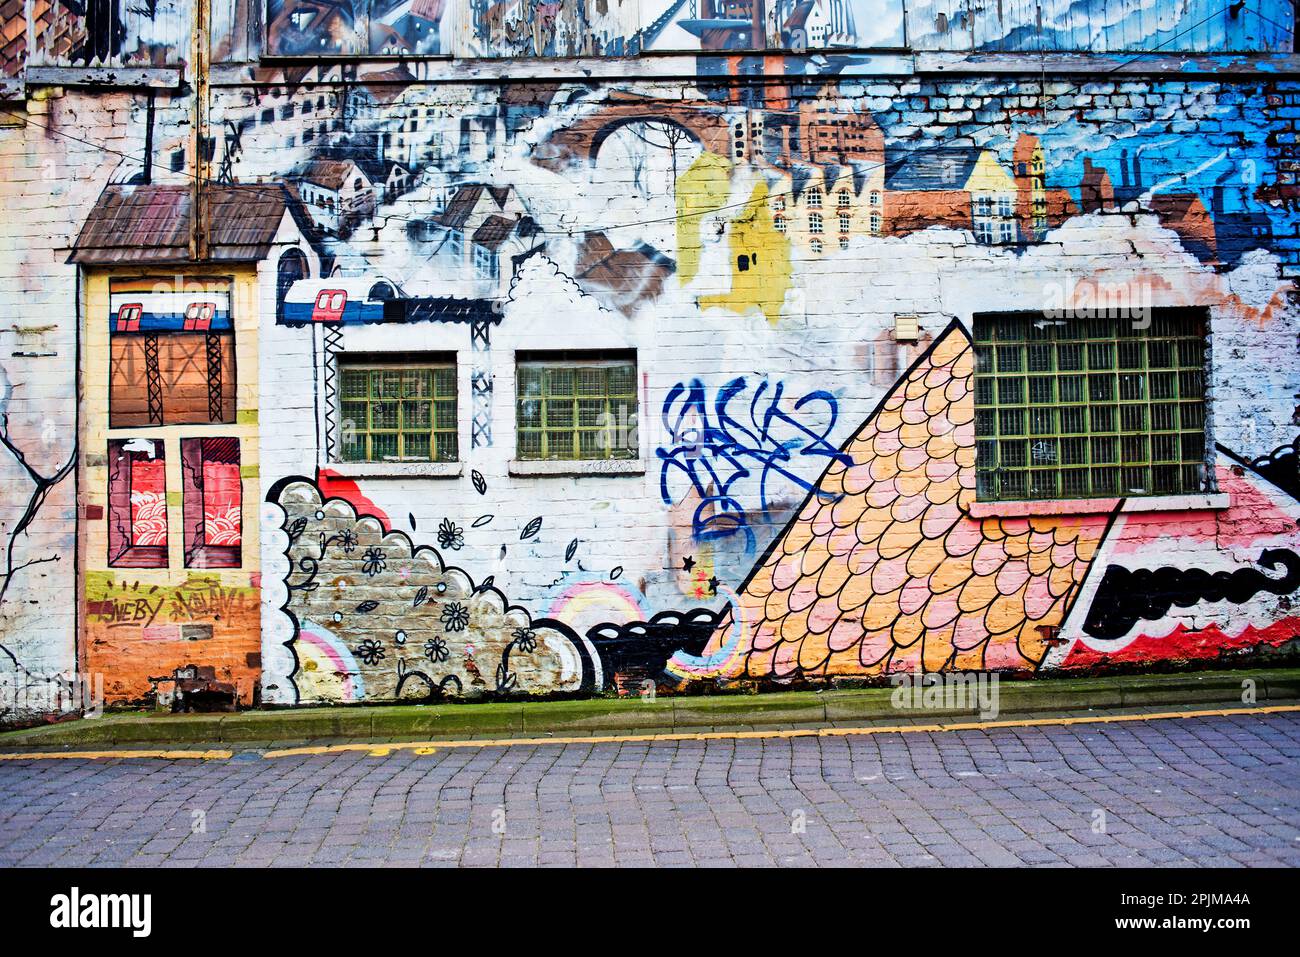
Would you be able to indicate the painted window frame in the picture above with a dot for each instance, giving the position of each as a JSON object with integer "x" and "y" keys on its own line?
{"x": 123, "y": 549}
{"x": 444, "y": 394}
{"x": 544, "y": 368}
{"x": 1051, "y": 400}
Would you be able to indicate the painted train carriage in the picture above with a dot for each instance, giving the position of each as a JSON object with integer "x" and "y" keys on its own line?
{"x": 338, "y": 300}
{"x": 153, "y": 305}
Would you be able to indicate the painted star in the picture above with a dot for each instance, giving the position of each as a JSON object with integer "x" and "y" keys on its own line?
{"x": 688, "y": 563}
{"x": 713, "y": 586}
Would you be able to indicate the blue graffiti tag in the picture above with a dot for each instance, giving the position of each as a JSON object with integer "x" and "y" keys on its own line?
{"x": 715, "y": 454}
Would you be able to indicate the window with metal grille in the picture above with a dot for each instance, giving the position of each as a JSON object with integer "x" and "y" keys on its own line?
{"x": 1090, "y": 408}
{"x": 576, "y": 406}
{"x": 390, "y": 412}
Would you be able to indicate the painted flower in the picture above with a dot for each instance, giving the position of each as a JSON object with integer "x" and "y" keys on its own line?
{"x": 371, "y": 652}
{"x": 373, "y": 561}
{"x": 435, "y": 649}
{"x": 347, "y": 541}
{"x": 455, "y": 616}
{"x": 450, "y": 535}
{"x": 525, "y": 639}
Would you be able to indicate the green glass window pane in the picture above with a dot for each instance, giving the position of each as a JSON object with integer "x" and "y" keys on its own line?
{"x": 1074, "y": 483}
{"x": 1132, "y": 386}
{"x": 1042, "y": 421}
{"x": 352, "y": 417}
{"x": 1040, "y": 390}
{"x": 1191, "y": 415}
{"x": 1105, "y": 481}
{"x": 444, "y": 383}
{"x": 1011, "y": 421}
{"x": 530, "y": 414}
{"x": 416, "y": 415}
{"x": 1011, "y": 391}
{"x": 986, "y": 455}
{"x": 416, "y": 445}
{"x": 1069, "y": 357}
{"x": 1013, "y": 454}
{"x": 559, "y": 445}
{"x": 1074, "y": 419}
{"x": 1134, "y": 448}
{"x": 1165, "y": 448}
{"x": 1164, "y": 417}
{"x": 1101, "y": 418}
{"x": 1132, "y": 355}
{"x": 529, "y": 381}
{"x": 983, "y": 392}
{"x": 983, "y": 359}
{"x": 383, "y": 445}
{"x": 559, "y": 414}
{"x": 1101, "y": 355}
{"x": 1160, "y": 355}
{"x": 985, "y": 422}
{"x": 591, "y": 381}
{"x": 591, "y": 412}
{"x": 1191, "y": 385}
{"x": 1103, "y": 450}
{"x": 1135, "y": 480}
{"x": 1163, "y": 385}
{"x": 530, "y": 445}
{"x": 622, "y": 380}
{"x": 447, "y": 447}
{"x": 1101, "y": 388}
{"x": 1071, "y": 388}
{"x": 1040, "y": 358}
{"x": 383, "y": 415}
{"x": 354, "y": 384}
{"x": 1192, "y": 446}
{"x": 1010, "y": 359}
{"x": 445, "y": 415}
{"x": 1074, "y": 451}
{"x": 560, "y": 382}
{"x": 1042, "y": 484}
{"x": 389, "y": 385}
{"x": 1132, "y": 418}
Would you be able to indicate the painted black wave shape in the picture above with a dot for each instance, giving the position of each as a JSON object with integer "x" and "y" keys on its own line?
{"x": 639, "y": 650}
{"x": 1126, "y": 596}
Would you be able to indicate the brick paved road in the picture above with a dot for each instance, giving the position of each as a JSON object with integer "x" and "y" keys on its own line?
{"x": 1204, "y": 791}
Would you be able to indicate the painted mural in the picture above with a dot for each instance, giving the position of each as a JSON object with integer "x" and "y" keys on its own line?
{"x": 566, "y": 382}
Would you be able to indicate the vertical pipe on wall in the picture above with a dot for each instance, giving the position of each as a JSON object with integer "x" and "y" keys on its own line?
{"x": 199, "y": 233}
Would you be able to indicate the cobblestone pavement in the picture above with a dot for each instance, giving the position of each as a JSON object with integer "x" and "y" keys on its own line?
{"x": 1201, "y": 791}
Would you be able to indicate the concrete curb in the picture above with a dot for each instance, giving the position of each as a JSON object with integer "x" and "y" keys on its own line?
{"x": 664, "y": 714}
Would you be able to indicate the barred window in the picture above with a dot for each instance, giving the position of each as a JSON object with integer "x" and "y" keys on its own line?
{"x": 391, "y": 412}
{"x": 576, "y": 406}
{"x": 1090, "y": 408}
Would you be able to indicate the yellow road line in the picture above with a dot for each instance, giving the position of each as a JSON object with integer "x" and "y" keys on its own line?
{"x": 210, "y": 755}
{"x": 431, "y": 747}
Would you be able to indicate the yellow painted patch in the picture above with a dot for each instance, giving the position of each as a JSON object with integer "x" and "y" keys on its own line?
{"x": 702, "y": 189}
{"x": 246, "y": 416}
{"x": 764, "y": 255}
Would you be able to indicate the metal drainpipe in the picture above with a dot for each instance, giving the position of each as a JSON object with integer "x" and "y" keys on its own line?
{"x": 199, "y": 219}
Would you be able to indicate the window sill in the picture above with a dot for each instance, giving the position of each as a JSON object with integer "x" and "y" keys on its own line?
{"x": 544, "y": 467}
{"x": 1094, "y": 506}
{"x": 397, "y": 470}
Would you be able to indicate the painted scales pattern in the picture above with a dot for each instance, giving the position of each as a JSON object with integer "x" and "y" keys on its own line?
{"x": 884, "y": 569}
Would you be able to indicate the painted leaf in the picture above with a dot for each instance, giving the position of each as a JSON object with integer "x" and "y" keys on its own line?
{"x": 531, "y": 529}
{"x": 571, "y": 550}
{"x": 481, "y": 521}
{"x": 480, "y": 483}
{"x": 421, "y": 596}
{"x": 366, "y": 606}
